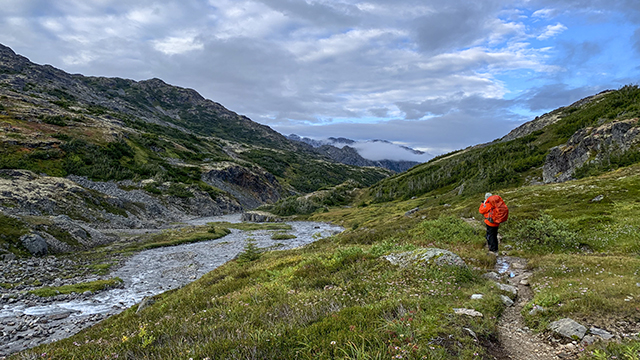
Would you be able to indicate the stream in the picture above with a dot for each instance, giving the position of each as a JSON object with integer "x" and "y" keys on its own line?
{"x": 145, "y": 274}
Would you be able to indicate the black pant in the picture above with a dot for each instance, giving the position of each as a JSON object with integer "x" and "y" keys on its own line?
{"x": 492, "y": 237}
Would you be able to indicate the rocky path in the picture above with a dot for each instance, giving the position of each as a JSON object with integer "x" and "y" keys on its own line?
{"x": 517, "y": 341}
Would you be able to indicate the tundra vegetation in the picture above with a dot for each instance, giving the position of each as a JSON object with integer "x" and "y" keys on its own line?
{"x": 338, "y": 298}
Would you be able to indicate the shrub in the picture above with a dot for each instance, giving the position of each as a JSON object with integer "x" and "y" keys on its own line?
{"x": 250, "y": 253}
{"x": 544, "y": 234}
{"x": 447, "y": 229}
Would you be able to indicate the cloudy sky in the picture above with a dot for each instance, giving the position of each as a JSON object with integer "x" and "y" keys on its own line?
{"x": 435, "y": 75}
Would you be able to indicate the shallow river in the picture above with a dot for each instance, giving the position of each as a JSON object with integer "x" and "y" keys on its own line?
{"x": 154, "y": 271}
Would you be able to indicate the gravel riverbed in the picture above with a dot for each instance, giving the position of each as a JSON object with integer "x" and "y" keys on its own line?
{"x": 27, "y": 320}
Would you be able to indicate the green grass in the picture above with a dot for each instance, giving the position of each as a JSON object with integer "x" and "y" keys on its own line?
{"x": 92, "y": 286}
{"x": 101, "y": 269}
{"x": 282, "y": 236}
{"x": 593, "y": 287}
{"x": 10, "y": 232}
{"x": 179, "y": 237}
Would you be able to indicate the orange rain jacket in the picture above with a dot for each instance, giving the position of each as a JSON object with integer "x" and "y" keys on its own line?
{"x": 486, "y": 209}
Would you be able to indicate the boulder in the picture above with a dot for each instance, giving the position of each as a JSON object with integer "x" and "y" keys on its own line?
{"x": 8, "y": 257}
{"x": 35, "y": 244}
{"x": 568, "y": 328}
{"x": 432, "y": 256}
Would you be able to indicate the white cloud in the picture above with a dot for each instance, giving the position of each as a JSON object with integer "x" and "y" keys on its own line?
{"x": 419, "y": 66}
{"x": 544, "y": 13}
{"x": 177, "y": 44}
{"x": 387, "y": 151}
{"x": 552, "y": 31}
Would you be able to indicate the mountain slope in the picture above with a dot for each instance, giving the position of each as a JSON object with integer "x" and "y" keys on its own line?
{"x": 141, "y": 153}
{"x": 592, "y": 136}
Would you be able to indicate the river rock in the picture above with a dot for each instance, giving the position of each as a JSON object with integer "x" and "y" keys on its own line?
{"x": 8, "y": 257}
{"x": 568, "y": 328}
{"x": 35, "y": 244}
{"x": 435, "y": 256}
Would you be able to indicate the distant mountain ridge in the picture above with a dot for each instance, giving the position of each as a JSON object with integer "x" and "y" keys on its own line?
{"x": 114, "y": 152}
{"x": 592, "y": 136}
{"x": 347, "y": 151}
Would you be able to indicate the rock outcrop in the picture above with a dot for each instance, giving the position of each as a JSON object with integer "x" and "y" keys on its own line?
{"x": 590, "y": 144}
{"x": 547, "y": 119}
{"x": 35, "y": 244}
{"x": 251, "y": 187}
{"x": 101, "y": 204}
{"x": 431, "y": 256}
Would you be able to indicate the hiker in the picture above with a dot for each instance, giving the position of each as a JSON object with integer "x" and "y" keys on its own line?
{"x": 495, "y": 212}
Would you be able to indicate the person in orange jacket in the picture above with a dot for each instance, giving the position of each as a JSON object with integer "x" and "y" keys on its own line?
{"x": 492, "y": 228}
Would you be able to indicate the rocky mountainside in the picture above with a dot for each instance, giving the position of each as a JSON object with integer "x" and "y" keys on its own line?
{"x": 117, "y": 153}
{"x": 342, "y": 151}
{"x": 592, "y": 136}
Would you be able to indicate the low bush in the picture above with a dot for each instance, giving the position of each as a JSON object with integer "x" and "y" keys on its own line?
{"x": 447, "y": 229}
{"x": 543, "y": 235}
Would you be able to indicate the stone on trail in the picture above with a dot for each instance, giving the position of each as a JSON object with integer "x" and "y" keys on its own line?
{"x": 491, "y": 275}
{"x": 435, "y": 256}
{"x": 469, "y": 312}
{"x": 568, "y": 328}
{"x": 508, "y": 288}
{"x": 506, "y": 300}
{"x": 602, "y": 333}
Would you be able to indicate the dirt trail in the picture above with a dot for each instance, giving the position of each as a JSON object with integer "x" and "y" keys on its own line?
{"x": 516, "y": 340}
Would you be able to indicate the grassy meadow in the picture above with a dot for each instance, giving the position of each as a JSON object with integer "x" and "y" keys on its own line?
{"x": 340, "y": 299}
